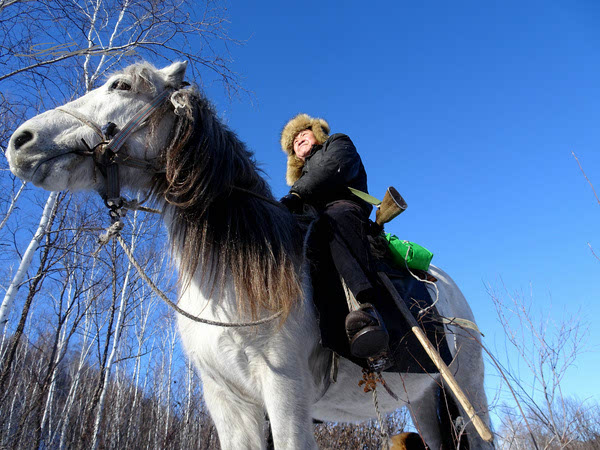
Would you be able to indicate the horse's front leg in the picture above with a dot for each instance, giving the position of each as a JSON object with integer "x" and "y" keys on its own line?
{"x": 240, "y": 423}
{"x": 288, "y": 400}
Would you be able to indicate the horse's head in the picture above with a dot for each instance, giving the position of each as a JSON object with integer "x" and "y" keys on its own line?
{"x": 220, "y": 209}
{"x": 51, "y": 149}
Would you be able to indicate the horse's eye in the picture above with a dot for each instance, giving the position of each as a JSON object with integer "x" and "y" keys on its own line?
{"x": 120, "y": 85}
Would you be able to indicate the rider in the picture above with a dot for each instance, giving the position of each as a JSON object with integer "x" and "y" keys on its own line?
{"x": 320, "y": 168}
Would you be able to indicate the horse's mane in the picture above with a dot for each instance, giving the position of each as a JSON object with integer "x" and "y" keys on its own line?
{"x": 224, "y": 230}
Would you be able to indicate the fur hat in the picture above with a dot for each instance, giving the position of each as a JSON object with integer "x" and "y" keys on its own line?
{"x": 301, "y": 122}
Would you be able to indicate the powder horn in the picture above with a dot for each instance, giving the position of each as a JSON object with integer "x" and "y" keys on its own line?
{"x": 392, "y": 205}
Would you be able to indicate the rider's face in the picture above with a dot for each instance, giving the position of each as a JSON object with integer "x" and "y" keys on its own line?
{"x": 304, "y": 143}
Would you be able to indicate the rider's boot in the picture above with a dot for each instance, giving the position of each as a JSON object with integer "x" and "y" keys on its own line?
{"x": 366, "y": 332}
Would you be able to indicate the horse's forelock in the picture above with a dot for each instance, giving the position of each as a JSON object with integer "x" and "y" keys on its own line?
{"x": 222, "y": 229}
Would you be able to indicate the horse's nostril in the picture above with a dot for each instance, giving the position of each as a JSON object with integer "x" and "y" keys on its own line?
{"x": 23, "y": 139}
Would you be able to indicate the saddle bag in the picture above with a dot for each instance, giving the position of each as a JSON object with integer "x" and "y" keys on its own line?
{"x": 406, "y": 253}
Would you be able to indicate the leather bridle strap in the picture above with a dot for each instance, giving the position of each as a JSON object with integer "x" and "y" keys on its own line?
{"x": 84, "y": 120}
{"x": 119, "y": 139}
{"x": 105, "y": 153}
{"x": 116, "y": 142}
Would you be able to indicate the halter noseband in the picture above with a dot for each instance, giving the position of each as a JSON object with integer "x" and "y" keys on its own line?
{"x": 106, "y": 154}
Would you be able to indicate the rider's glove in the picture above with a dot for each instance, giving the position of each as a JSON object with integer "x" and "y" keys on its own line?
{"x": 293, "y": 202}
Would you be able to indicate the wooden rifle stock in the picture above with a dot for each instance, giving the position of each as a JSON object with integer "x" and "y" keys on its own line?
{"x": 481, "y": 427}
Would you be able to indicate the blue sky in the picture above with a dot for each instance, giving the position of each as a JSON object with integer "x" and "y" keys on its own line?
{"x": 471, "y": 110}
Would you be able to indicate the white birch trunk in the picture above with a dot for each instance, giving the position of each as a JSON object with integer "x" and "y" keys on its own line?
{"x": 188, "y": 406}
{"x": 12, "y": 290}
{"x": 117, "y": 407}
{"x": 147, "y": 374}
{"x": 97, "y": 72}
{"x": 116, "y": 340}
{"x": 167, "y": 420}
{"x": 13, "y": 204}
{"x": 61, "y": 350}
{"x": 141, "y": 338}
{"x": 86, "y": 346}
{"x": 12, "y": 412}
{"x": 90, "y": 43}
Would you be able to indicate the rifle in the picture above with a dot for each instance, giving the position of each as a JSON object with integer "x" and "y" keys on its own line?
{"x": 392, "y": 205}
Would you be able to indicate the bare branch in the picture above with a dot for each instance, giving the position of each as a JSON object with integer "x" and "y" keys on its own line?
{"x": 586, "y": 178}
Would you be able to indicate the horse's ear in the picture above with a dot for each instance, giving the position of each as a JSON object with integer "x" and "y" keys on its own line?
{"x": 175, "y": 73}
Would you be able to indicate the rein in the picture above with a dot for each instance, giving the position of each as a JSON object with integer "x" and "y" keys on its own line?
{"x": 174, "y": 306}
{"x": 115, "y": 231}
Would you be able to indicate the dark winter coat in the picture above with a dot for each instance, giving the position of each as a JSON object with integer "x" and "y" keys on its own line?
{"x": 329, "y": 170}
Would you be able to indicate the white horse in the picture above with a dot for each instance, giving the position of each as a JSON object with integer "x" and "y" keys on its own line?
{"x": 240, "y": 258}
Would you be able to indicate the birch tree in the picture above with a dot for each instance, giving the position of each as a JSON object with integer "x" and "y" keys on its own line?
{"x": 11, "y": 292}
{"x": 89, "y": 349}
{"x": 116, "y": 338}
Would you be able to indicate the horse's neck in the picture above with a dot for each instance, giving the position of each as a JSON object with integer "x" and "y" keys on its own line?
{"x": 200, "y": 293}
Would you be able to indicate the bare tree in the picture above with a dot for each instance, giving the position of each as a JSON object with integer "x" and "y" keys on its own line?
{"x": 9, "y": 298}
{"x": 595, "y": 195}
{"x": 79, "y": 342}
{"x": 583, "y": 421}
{"x": 544, "y": 350}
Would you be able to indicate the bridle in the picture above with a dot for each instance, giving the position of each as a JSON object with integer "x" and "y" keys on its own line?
{"x": 106, "y": 153}
{"x": 107, "y": 157}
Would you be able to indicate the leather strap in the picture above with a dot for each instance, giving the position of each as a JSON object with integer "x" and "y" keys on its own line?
{"x": 119, "y": 139}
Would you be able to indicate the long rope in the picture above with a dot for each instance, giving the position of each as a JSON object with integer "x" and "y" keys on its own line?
{"x": 162, "y": 295}
{"x": 114, "y": 231}
{"x": 383, "y": 430}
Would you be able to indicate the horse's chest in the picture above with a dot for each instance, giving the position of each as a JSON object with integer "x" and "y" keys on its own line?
{"x": 225, "y": 355}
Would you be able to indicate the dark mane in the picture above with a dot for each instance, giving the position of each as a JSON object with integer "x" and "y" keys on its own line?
{"x": 222, "y": 229}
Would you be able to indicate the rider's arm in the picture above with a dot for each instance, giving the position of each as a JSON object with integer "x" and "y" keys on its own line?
{"x": 331, "y": 171}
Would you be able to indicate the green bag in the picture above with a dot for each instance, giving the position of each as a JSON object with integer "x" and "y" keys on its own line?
{"x": 408, "y": 253}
